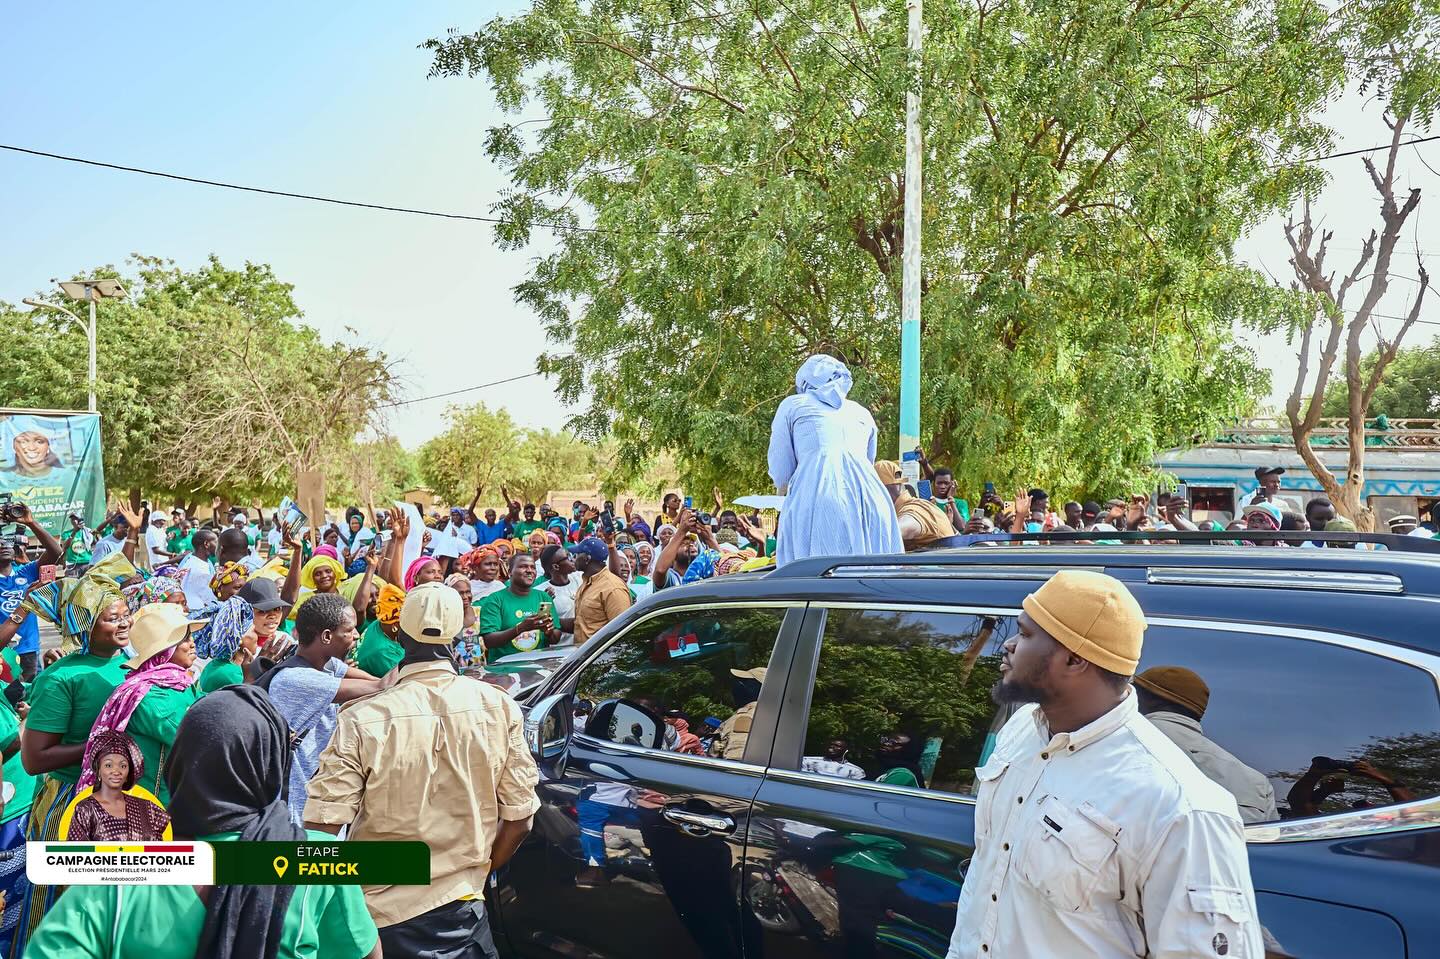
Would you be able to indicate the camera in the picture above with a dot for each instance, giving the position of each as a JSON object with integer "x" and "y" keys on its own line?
{"x": 11, "y": 511}
{"x": 1326, "y": 764}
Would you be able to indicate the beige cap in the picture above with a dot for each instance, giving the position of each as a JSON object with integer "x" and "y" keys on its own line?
{"x": 433, "y": 613}
{"x": 757, "y": 674}
{"x": 1092, "y": 615}
{"x": 1178, "y": 685}
{"x": 889, "y": 472}
{"x": 156, "y": 627}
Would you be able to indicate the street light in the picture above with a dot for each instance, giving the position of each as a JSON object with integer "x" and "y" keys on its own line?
{"x": 92, "y": 292}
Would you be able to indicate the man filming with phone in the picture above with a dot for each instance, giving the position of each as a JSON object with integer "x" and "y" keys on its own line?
{"x": 16, "y": 581}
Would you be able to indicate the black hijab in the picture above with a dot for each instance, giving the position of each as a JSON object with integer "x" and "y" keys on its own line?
{"x": 229, "y": 771}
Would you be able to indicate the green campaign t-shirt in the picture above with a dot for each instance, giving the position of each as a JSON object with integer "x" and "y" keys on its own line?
{"x": 377, "y": 653}
{"x": 527, "y": 526}
{"x": 219, "y": 673}
{"x": 502, "y": 610}
{"x": 68, "y": 695}
{"x": 175, "y": 544}
{"x": 153, "y": 726}
{"x": 15, "y": 774}
{"x": 165, "y": 922}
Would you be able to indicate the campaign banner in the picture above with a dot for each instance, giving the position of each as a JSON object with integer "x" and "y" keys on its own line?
{"x": 50, "y": 461}
{"x": 108, "y": 864}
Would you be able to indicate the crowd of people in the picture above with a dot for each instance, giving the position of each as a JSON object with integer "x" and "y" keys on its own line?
{"x": 257, "y": 633}
{"x": 197, "y": 687}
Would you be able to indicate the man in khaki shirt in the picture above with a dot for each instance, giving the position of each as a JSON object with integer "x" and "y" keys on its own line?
{"x": 438, "y": 758}
{"x": 603, "y": 595}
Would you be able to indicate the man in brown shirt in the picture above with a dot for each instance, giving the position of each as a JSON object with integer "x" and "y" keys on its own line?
{"x": 439, "y": 758}
{"x": 602, "y": 595}
{"x": 921, "y": 521}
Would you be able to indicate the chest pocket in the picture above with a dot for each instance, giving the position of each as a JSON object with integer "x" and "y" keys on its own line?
{"x": 987, "y": 780}
{"x": 1071, "y": 856}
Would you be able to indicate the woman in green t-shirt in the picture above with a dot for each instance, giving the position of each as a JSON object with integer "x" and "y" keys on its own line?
{"x": 379, "y": 650}
{"x": 230, "y": 764}
{"x": 155, "y": 695}
{"x": 229, "y": 642}
{"x": 90, "y": 612}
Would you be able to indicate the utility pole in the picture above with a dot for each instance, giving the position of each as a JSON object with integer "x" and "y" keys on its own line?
{"x": 910, "y": 281}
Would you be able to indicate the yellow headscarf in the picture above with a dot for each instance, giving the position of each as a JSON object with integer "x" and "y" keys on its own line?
{"x": 387, "y": 606}
{"x": 307, "y": 572}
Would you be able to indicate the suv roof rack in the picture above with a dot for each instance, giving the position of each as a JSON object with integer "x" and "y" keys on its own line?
{"x": 1199, "y": 559}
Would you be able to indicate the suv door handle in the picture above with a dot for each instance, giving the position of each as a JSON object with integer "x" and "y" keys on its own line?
{"x": 698, "y": 823}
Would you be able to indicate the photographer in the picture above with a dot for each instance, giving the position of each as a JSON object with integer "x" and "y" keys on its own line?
{"x": 15, "y": 581}
{"x": 78, "y": 543}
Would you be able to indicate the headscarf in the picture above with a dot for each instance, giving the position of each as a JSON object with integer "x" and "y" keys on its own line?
{"x": 1270, "y": 513}
{"x": 389, "y": 603}
{"x": 156, "y": 589}
{"x": 169, "y": 569}
{"x": 117, "y": 744}
{"x": 688, "y": 741}
{"x": 552, "y": 538}
{"x": 229, "y": 573}
{"x": 825, "y": 378}
{"x": 115, "y": 714}
{"x": 663, "y": 528}
{"x": 351, "y": 586}
{"x": 73, "y": 605}
{"x": 639, "y": 527}
{"x": 537, "y": 538}
{"x": 732, "y": 562}
{"x": 413, "y": 570}
{"x": 326, "y": 550}
{"x": 730, "y": 536}
{"x": 470, "y": 562}
{"x": 307, "y": 572}
{"x": 220, "y": 637}
{"x": 229, "y": 771}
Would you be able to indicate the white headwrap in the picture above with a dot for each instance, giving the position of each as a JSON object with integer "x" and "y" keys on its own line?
{"x": 825, "y": 378}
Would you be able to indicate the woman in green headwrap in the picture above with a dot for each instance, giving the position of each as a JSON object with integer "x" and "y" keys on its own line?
{"x": 91, "y": 612}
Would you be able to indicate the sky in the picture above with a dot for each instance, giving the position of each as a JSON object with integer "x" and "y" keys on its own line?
{"x": 333, "y": 99}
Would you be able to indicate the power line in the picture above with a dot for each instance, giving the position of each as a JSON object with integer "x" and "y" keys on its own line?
{"x": 318, "y": 199}
{"x": 468, "y": 389}
{"x": 445, "y": 215}
{"x": 1351, "y": 153}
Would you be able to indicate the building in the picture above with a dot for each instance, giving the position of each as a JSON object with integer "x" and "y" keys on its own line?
{"x": 1402, "y": 465}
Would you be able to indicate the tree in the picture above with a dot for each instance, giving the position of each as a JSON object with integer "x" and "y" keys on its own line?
{"x": 476, "y": 453}
{"x": 1402, "y": 68}
{"x": 725, "y": 187}
{"x": 1410, "y": 388}
{"x": 372, "y": 472}
{"x": 548, "y": 460}
{"x": 207, "y": 383}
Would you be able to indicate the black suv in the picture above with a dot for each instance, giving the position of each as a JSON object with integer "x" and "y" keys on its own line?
{"x": 782, "y": 765}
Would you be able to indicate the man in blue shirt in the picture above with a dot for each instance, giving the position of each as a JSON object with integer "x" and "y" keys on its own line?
{"x": 16, "y": 581}
{"x": 489, "y": 531}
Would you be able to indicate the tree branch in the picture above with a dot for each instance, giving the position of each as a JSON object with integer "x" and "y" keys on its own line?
{"x": 645, "y": 62}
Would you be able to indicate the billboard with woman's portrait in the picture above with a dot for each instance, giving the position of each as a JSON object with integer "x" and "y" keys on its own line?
{"x": 51, "y": 463}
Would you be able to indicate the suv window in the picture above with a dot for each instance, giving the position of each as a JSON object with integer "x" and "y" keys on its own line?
{"x": 694, "y": 676}
{"x": 903, "y": 697}
{"x": 1332, "y": 728}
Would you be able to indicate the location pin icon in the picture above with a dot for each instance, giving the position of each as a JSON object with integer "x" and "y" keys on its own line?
{"x": 281, "y": 864}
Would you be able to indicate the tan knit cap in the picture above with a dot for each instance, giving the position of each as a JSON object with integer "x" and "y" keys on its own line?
{"x": 1092, "y": 615}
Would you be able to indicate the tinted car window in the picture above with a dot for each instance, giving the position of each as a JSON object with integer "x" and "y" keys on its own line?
{"x": 1332, "y": 728}
{"x": 904, "y": 697}
{"x": 697, "y": 673}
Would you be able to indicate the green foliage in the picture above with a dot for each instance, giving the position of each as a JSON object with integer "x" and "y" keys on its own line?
{"x": 208, "y": 383}
{"x": 550, "y": 460}
{"x": 1395, "y": 48}
{"x": 1409, "y": 389}
{"x": 1089, "y": 167}
{"x": 373, "y": 471}
{"x": 473, "y": 456}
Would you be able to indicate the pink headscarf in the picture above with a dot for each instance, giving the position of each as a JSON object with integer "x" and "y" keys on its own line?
{"x": 414, "y": 570}
{"x": 327, "y": 550}
{"x": 115, "y": 714}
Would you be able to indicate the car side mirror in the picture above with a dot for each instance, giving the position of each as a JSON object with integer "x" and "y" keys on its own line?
{"x": 547, "y": 727}
{"x": 626, "y": 722}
